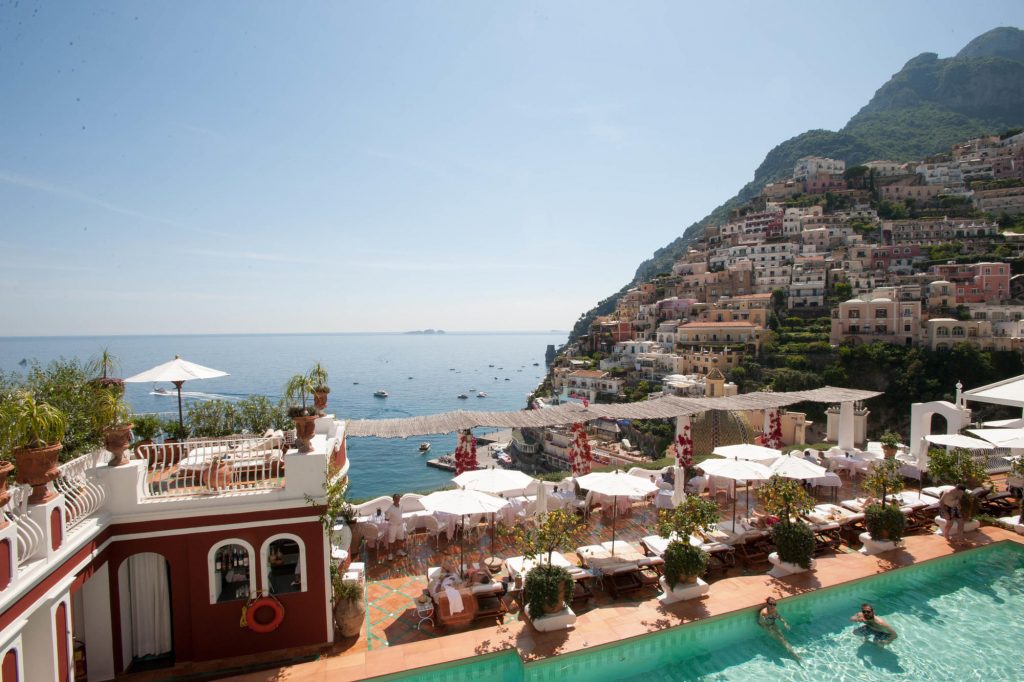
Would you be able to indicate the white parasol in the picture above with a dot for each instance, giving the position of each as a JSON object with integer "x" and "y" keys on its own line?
{"x": 462, "y": 503}
{"x": 493, "y": 481}
{"x": 956, "y": 440}
{"x": 177, "y": 371}
{"x": 736, "y": 470}
{"x": 748, "y": 451}
{"x": 790, "y": 466}
{"x": 616, "y": 484}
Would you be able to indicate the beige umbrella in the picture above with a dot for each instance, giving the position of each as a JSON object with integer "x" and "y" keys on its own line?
{"x": 735, "y": 470}
{"x": 615, "y": 485}
{"x": 177, "y": 371}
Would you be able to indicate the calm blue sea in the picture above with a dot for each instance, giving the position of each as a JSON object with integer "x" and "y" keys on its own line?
{"x": 422, "y": 373}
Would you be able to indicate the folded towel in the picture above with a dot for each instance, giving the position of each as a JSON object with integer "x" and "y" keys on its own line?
{"x": 454, "y": 600}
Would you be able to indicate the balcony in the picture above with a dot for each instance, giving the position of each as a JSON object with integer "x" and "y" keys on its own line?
{"x": 220, "y": 465}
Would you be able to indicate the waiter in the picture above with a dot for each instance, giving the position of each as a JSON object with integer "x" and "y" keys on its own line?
{"x": 396, "y": 528}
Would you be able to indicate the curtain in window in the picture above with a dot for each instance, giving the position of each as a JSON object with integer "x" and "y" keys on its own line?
{"x": 150, "y": 605}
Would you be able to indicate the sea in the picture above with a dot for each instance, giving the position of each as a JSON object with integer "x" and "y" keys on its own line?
{"x": 422, "y": 373}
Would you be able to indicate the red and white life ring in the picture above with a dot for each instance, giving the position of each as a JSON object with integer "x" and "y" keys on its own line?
{"x": 256, "y": 617}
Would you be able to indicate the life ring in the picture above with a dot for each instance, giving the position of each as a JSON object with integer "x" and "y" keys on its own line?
{"x": 260, "y": 625}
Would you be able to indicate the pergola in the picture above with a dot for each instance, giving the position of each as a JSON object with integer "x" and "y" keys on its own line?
{"x": 1006, "y": 392}
{"x": 667, "y": 407}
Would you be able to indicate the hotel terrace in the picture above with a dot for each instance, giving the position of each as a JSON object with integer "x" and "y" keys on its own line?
{"x": 154, "y": 562}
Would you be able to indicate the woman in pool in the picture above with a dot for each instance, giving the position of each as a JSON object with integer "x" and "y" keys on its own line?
{"x": 769, "y": 618}
{"x": 873, "y": 627}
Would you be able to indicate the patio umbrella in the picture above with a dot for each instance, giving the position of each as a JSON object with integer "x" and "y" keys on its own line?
{"x": 736, "y": 470}
{"x": 493, "y": 481}
{"x": 955, "y": 440}
{"x": 790, "y": 466}
{"x": 748, "y": 451}
{"x": 1005, "y": 423}
{"x": 177, "y": 371}
{"x": 462, "y": 503}
{"x": 679, "y": 487}
{"x": 616, "y": 484}
{"x": 542, "y": 500}
{"x": 998, "y": 436}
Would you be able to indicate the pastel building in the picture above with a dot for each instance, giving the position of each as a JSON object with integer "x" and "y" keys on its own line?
{"x": 870, "y": 319}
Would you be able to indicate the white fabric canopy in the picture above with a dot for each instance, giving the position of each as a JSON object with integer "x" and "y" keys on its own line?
{"x": 176, "y": 370}
{"x": 998, "y": 436}
{"x": 493, "y": 481}
{"x": 1005, "y": 392}
{"x": 150, "y": 605}
{"x": 616, "y": 484}
{"x": 736, "y": 469}
{"x": 1005, "y": 423}
{"x": 956, "y": 440}
{"x": 791, "y": 466}
{"x": 462, "y": 502}
{"x": 748, "y": 451}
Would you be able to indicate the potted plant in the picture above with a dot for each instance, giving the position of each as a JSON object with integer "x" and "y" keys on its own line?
{"x": 793, "y": 538}
{"x": 685, "y": 562}
{"x": 34, "y": 430}
{"x": 548, "y": 589}
{"x": 318, "y": 381}
{"x": 349, "y": 606}
{"x": 114, "y": 420}
{"x": 105, "y": 365}
{"x": 298, "y": 391}
{"x": 336, "y": 516}
{"x": 145, "y": 430}
{"x": 955, "y": 467}
{"x": 5, "y": 470}
{"x": 884, "y": 520}
{"x": 890, "y": 441}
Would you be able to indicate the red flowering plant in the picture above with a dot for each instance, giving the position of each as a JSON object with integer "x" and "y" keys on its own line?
{"x": 684, "y": 448}
{"x": 581, "y": 456}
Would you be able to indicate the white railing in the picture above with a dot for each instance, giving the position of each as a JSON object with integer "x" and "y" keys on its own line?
{"x": 213, "y": 466}
{"x": 83, "y": 494}
{"x": 30, "y": 534}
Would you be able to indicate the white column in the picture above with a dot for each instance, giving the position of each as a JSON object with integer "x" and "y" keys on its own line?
{"x": 846, "y": 430}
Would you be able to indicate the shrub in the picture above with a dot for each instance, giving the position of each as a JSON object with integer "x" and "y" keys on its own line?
{"x": 542, "y": 586}
{"x": 212, "y": 419}
{"x": 883, "y": 478}
{"x": 794, "y": 542}
{"x": 784, "y": 497}
{"x": 683, "y": 561}
{"x": 885, "y": 522}
{"x": 257, "y": 414}
{"x": 146, "y": 426}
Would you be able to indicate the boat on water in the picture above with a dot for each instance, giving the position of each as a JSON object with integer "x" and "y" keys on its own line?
{"x": 424, "y": 447}
{"x": 462, "y": 396}
{"x": 507, "y": 379}
{"x": 380, "y": 394}
{"x": 161, "y": 391}
{"x": 536, "y": 364}
{"x": 490, "y": 365}
{"x": 481, "y": 394}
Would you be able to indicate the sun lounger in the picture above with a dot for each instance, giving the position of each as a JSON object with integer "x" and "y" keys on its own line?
{"x": 656, "y": 545}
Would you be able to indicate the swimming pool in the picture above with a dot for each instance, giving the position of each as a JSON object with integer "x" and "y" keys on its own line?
{"x": 958, "y": 618}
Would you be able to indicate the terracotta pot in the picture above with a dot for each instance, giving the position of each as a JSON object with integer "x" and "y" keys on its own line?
{"x": 320, "y": 399}
{"x": 304, "y": 427}
{"x": 37, "y": 467}
{"x": 349, "y": 616}
{"x": 559, "y": 603}
{"x": 5, "y": 470}
{"x": 889, "y": 451}
{"x": 217, "y": 475}
{"x": 144, "y": 450}
{"x": 116, "y": 439}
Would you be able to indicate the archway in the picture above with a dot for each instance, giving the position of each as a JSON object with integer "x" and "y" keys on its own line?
{"x": 921, "y": 422}
{"x": 144, "y": 585}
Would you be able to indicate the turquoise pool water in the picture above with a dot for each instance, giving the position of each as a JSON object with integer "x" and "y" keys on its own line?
{"x": 958, "y": 618}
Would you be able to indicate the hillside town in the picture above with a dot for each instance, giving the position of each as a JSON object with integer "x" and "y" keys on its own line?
{"x": 915, "y": 254}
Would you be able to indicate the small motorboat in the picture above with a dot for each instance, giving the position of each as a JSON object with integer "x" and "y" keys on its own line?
{"x": 536, "y": 364}
{"x": 424, "y": 447}
{"x": 490, "y": 365}
{"x": 355, "y": 383}
{"x": 462, "y": 396}
{"x": 481, "y": 394}
{"x": 161, "y": 391}
{"x": 507, "y": 379}
{"x": 380, "y": 394}
{"x": 410, "y": 377}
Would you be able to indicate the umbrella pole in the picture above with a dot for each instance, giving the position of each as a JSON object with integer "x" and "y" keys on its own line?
{"x": 615, "y": 515}
{"x": 462, "y": 548}
{"x": 734, "y": 505}
{"x": 181, "y": 419}
{"x": 748, "y": 500}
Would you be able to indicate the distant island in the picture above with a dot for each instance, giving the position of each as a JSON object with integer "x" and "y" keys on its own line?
{"x": 427, "y": 331}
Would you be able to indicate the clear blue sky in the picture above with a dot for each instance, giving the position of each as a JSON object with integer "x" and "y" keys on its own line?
{"x": 243, "y": 167}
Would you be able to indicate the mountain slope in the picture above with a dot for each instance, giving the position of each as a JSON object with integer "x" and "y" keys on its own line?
{"x": 930, "y": 104}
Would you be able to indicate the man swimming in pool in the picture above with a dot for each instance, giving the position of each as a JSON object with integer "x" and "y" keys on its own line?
{"x": 769, "y": 618}
{"x": 874, "y": 628}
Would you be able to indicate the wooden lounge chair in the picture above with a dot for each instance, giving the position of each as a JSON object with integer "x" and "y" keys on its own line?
{"x": 754, "y": 554}
{"x": 623, "y": 580}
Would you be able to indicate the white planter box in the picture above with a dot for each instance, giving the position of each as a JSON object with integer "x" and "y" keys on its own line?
{"x": 1011, "y": 521}
{"x": 560, "y": 620}
{"x": 872, "y": 546}
{"x": 781, "y": 569}
{"x": 682, "y": 591}
{"x": 968, "y": 525}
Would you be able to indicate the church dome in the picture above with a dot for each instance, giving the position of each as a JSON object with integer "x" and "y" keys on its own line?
{"x": 719, "y": 427}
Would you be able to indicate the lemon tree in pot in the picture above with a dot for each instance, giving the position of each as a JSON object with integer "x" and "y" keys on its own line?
{"x": 955, "y": 467}
{"x": 685, "y": 562}
{"x": 884, "y": 520}
{"x": 890, "y": 441}
{"x": 114, "y": 421}
{"x": 318, "y": 383}
{"x": 298, "y": 393}
{"x": 547, "y": 589}
{"x": 792, "y": 537}
{"x": 34, "y": 431}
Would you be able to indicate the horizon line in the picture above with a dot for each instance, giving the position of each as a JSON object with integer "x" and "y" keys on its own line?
{"x": 443, "y": 332}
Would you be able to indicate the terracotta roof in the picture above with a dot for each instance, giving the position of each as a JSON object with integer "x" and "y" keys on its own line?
{"x": 588, "y": 374}
{"x": 710, "y": 325}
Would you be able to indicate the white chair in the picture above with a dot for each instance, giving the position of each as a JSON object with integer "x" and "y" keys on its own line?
{"x": 377, "y": 538}
{"x": 432, "y": 528}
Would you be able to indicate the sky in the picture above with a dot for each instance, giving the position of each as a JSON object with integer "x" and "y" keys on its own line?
{"x": 187, "y": 167}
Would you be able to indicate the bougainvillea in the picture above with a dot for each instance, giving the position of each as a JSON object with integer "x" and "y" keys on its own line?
{"x": 465, "y": 453}
{"x": 684, "y": 448}
{"x": 580, "y": 455}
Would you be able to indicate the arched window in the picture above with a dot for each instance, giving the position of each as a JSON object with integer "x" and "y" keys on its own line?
{"x": 284, "y": 562}
{"x": 232, "y": 569}
{"x": 958, "y": 331}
